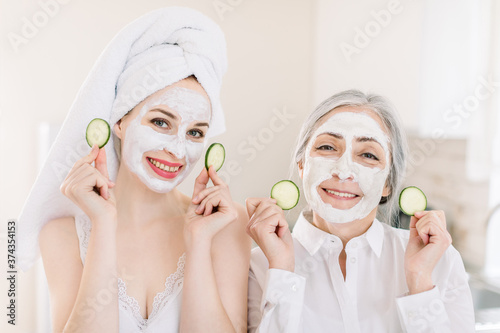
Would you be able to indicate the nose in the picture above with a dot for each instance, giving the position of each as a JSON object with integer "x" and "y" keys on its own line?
{"x": 177, "y": 148}
{"x": 176, "y": 155}
{"x": 344, "y": 168}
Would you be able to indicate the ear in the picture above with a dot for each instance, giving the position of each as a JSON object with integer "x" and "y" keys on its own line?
{"x": 301, "y": 169}
{"x": 386, "y": 191}
{"x": 117, "y": 128}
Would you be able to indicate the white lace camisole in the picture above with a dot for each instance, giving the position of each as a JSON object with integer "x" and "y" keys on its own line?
{"x": 165, "y": 316}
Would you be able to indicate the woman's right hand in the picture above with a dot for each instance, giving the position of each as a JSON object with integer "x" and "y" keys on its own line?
{"x": 89, "y": 187}
{"x": 269, "y": 229}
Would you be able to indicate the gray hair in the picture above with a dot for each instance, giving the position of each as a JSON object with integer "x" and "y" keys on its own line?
{"x": 397, "y": 146}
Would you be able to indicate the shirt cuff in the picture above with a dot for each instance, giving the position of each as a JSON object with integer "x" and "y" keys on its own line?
{"x": 283, "y": 286}
{"x": 422, "y": 311}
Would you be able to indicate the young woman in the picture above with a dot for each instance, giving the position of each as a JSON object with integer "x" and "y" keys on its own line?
{"x": 343, "y": 270}
{"x": 139, "y": 255}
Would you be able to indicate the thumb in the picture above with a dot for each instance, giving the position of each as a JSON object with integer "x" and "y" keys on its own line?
{"x": 101, "y": 164}
{"x": 200, "y": 183}
{"x": 413, "y": 227}
{"x": 252, "y": 204}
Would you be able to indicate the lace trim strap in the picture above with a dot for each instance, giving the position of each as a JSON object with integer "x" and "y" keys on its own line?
{"x": 83, "y": 227}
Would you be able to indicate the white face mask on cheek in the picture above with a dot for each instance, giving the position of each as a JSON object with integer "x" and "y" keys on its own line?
{"x": 371, "y": 181}
{"x": 139, "y": 138}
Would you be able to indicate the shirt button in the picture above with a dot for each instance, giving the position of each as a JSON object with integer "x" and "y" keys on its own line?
{"x": 294, "y": 287}
{"x": 353, "y": 260}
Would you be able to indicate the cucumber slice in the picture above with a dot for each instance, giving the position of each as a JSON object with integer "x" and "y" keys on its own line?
{"x": 286, "y": 193}
{"x": 216, "y": 154}
{"x": 412, "y": 200}
{"x": 98, "y": 131}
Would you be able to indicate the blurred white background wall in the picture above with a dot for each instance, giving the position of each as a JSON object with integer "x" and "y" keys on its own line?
{"x": 285, "y": 56}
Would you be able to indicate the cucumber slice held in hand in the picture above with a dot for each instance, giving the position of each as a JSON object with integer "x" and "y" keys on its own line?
{"x": 98, "y": 131}
{"x": 216, "y": 154}
{"x": 412, "y": 200}
{"x": 286, "y": 193}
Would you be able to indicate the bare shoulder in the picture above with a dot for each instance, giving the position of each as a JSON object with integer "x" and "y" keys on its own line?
{"x": 62, "y": 228}
{"x": 58, "y": 238}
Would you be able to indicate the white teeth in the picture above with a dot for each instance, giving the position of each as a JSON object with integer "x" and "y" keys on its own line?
{"x": 163, "y": 167}
{"x": 340, "y": 194}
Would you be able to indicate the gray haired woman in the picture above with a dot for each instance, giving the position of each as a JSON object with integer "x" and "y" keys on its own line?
{"x": 343, "y": 270}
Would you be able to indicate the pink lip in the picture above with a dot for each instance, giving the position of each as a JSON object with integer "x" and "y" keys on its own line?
{"x": 339, "y": 197}
{"x": 163, "y": 173}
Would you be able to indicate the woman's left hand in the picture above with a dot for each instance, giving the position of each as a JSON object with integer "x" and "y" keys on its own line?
{"x": 429, "y": 239}
{"x": 211, "y": 209}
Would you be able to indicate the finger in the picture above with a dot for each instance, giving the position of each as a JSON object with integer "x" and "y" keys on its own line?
{"x": 76, "y": 176}
{"x": 83, "y": 171}
{"x": 101, "y": 164}
{"x": 438, "y": 215}
{"x": 282, "y": 226}
{"x": 101, "y": 183}
{"x": 90, "y": 157}
{"x": 213, "y": 200}
{"x": 435, "y": 218}
{"x": 90, "y": 179}
{"x": 254, "y": 203}
{"x": 267, "y": 202}
{"x": 214, "y": 176}
{"x": 266, "y": 212}
{"x": 203, "y": 204}
{"x": 427, "y": 229}
{"x": 268, "y": 225}
{"x": 200, "y": 183}
{"x": 203, "y": 194}
{"x": 421, "y": 214}
{"x": 413, "y": 227}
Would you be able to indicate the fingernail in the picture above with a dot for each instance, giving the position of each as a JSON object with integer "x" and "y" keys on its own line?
{"x": 195, "y": 198}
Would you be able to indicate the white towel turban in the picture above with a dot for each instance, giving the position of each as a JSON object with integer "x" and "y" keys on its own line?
{"x": 154, "y": 51}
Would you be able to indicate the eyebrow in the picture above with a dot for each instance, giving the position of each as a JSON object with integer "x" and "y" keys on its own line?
{"x": 167, "y": 113}
{"x": 201, "y": 124}
{"x": 360, "y": 139}
{"x": 367, "y": 139}
{"x": 335, "y": 135}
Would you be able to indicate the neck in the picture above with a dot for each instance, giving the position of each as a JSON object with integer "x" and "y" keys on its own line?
{"x": 345, "y": 231}
{"x": 138, "y": 204}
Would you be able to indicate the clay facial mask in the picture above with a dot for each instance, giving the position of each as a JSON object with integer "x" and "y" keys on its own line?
{"x": 139, "y": 139}
{"x": 371, "y": 180}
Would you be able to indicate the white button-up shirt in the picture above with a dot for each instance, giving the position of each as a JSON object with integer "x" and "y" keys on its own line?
{"x": 374, "y": 296}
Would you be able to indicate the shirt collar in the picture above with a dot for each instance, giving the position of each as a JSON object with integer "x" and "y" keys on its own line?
{"x": 375, "y": 236}
{"x": 312, "y": 238}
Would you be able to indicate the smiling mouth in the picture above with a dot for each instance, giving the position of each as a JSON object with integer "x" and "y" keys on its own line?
{"x": 164, "y": 168}
{"x": 344, "y": 195}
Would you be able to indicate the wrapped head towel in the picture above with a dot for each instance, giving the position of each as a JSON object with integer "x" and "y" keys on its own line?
{"x": 154, "y": 51}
